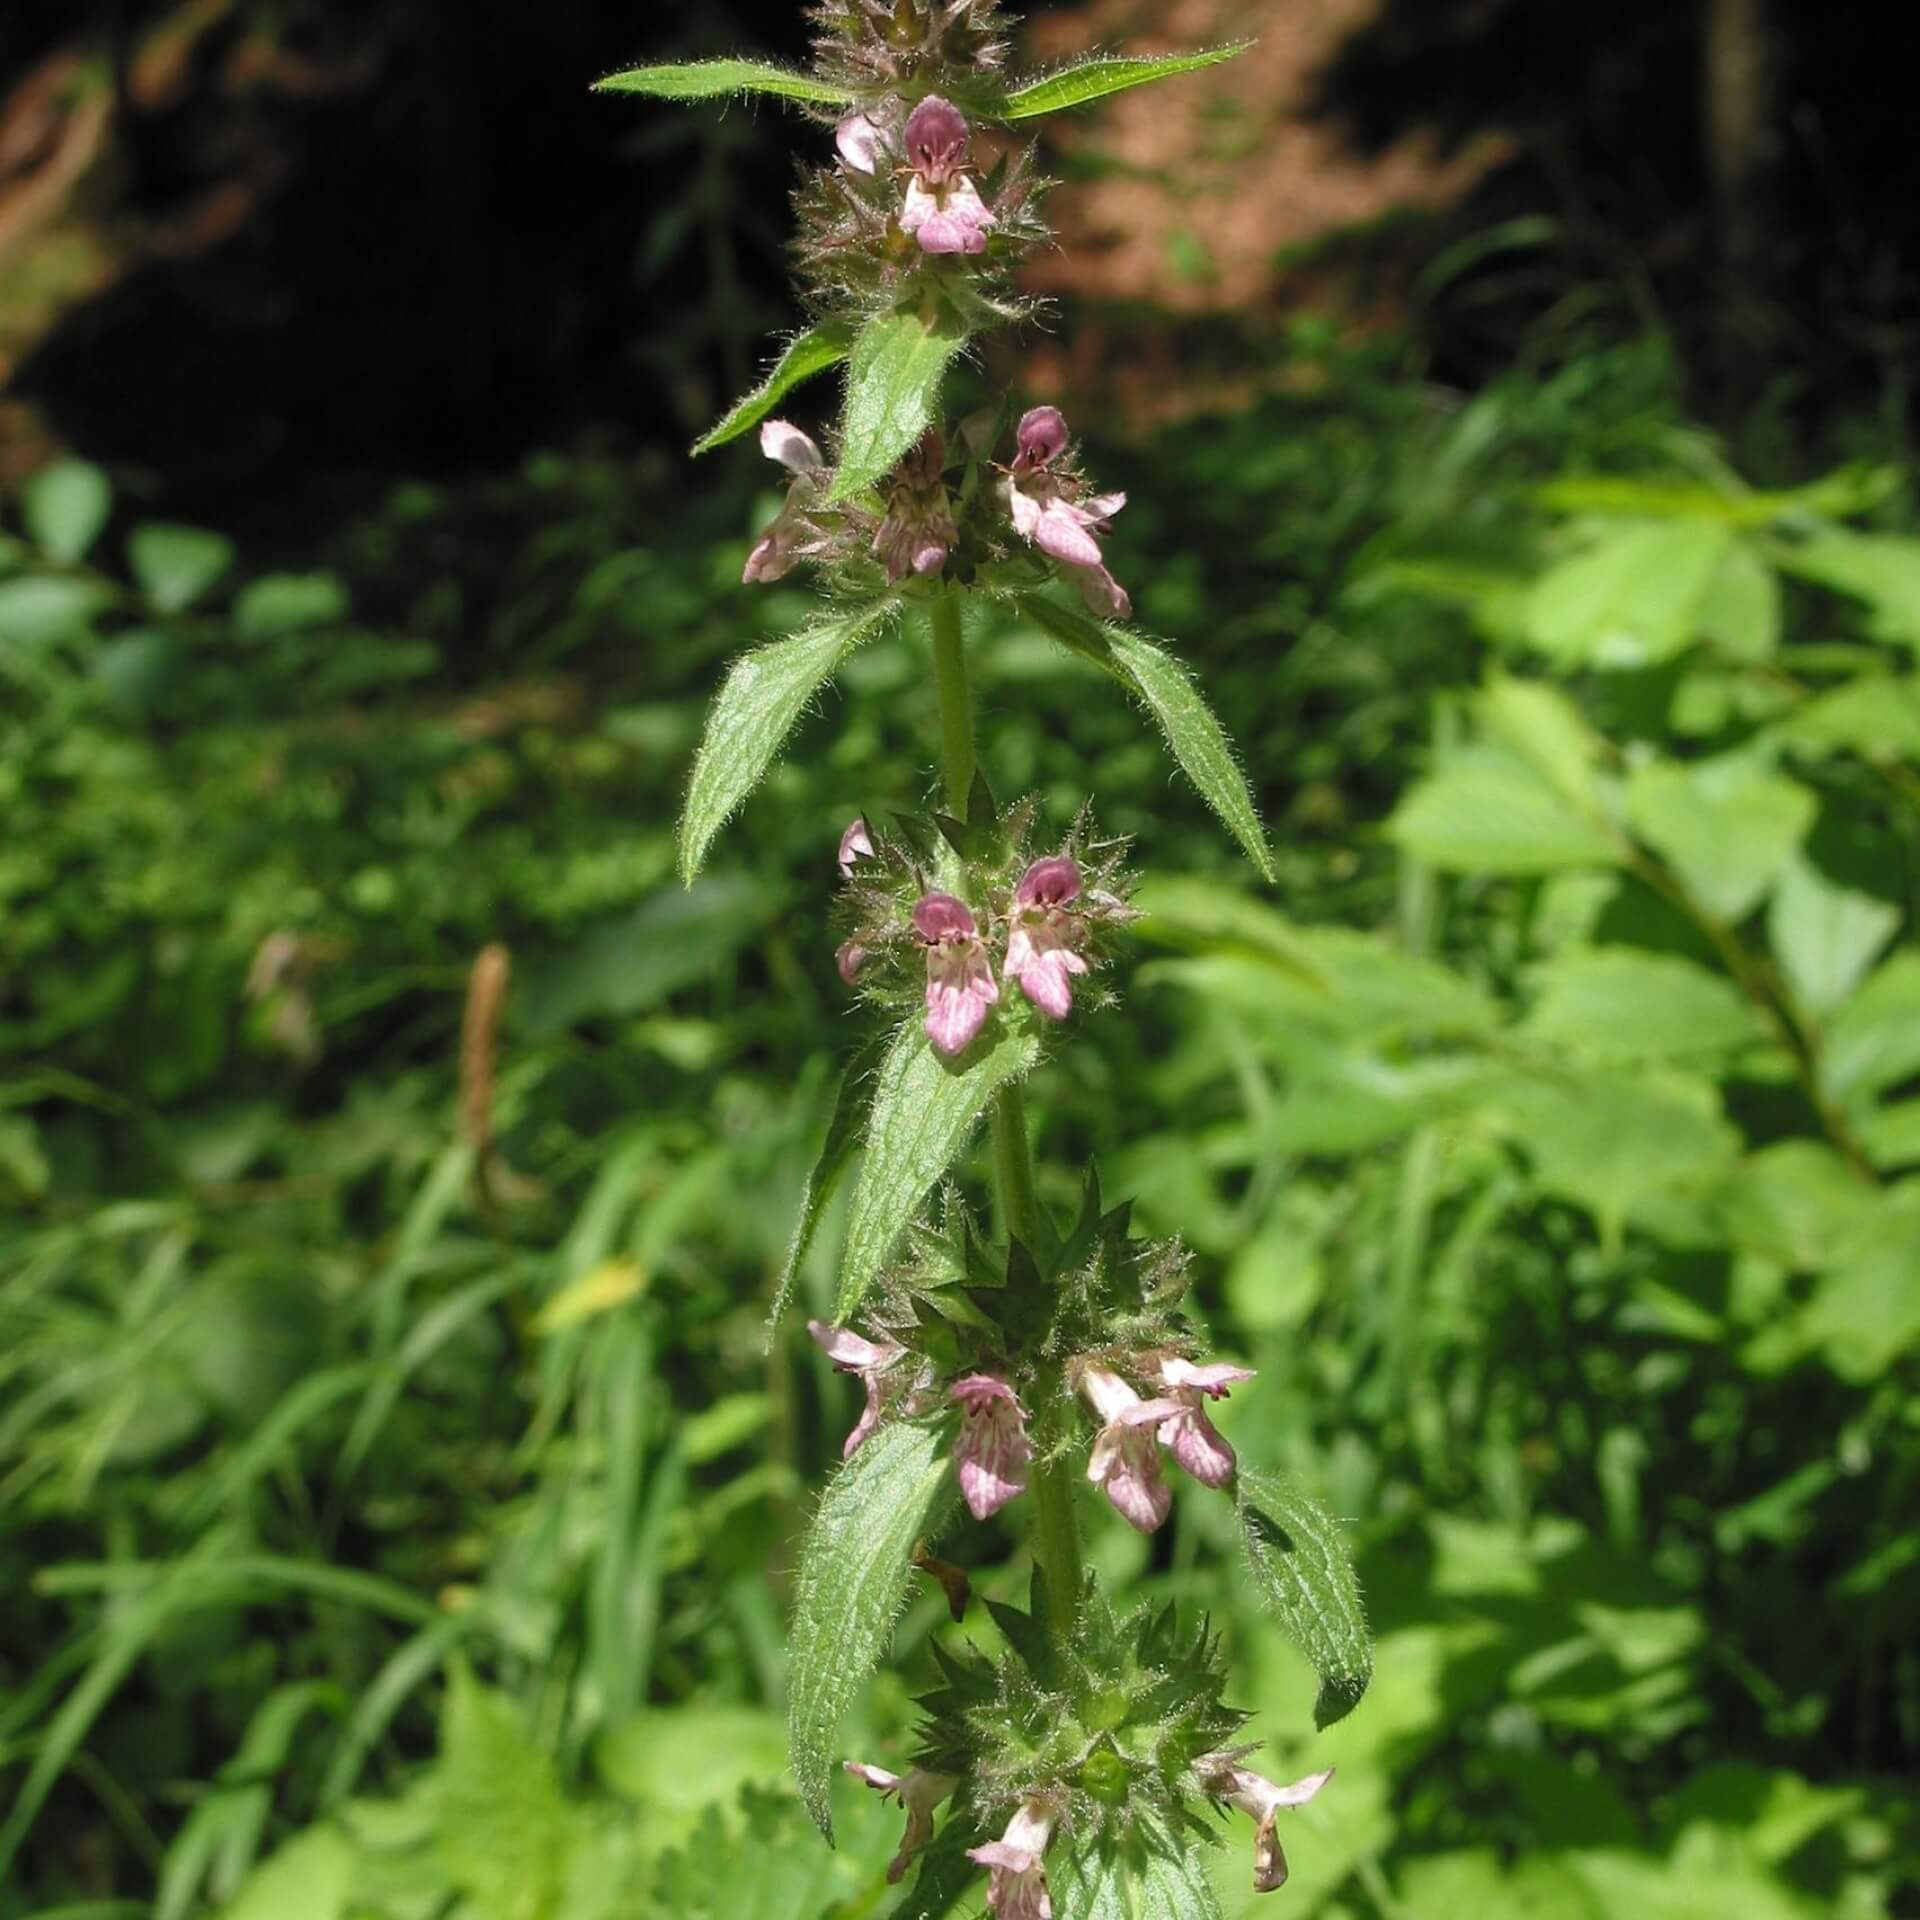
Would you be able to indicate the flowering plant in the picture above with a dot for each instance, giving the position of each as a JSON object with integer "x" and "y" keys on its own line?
{"x": 1032, "y": 1359}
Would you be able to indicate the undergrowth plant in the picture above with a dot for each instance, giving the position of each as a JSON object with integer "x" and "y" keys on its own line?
{"x": 1088, "y": 1763}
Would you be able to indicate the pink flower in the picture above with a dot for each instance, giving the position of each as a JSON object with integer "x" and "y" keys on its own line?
{"x": 993, "y": 1449}
{"x": 1252, "y": 1793}
{"x": 1125, "y": 1460}
{"x": 1189, "y": 1435}
{"x": 1047, "y": 510}
{"x": 1017, "y": 1881}
{"x": 780, "y": 545}
{"x": 861, "y": 144}
{"x": 1041, "y": 956}
{"x": 942, "y": 209}
{"x": 855, "y": 844}
{"x": 919, "y": 1792}
{"x": 960, "y": 984}
{"x": 848, "y": 958}
{"x": 871, "y": 1360}
{"x": 918, "y": 532}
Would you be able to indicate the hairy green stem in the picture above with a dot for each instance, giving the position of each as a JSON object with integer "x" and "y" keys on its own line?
{"x": 1056, "y": 1530}
{"x": 956, "y": 701}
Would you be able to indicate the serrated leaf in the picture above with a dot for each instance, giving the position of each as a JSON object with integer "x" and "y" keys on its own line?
{"x": 1175, "y": 1886}
{"x": 812, "y": 352}
{"x": 853, "y": 1577}
{"x": 1300, "y": 1563}
{"x": 1631, "y": 601}
{"x": 925, "y": 1109}
{"x": 715, "y": 79}
{"x": 765, "y": 692}
{"x": 836, "y": 1153}
{"x": 1094, "y": 79}
{"x": 893, "y": 380}
{"x": 176, "y": 565}
{"x": 1621, "y": 1003}
{"x": 1085, "y": 1876}
{"x": 64, "y": 507}
{"x": 1163, "y": 686}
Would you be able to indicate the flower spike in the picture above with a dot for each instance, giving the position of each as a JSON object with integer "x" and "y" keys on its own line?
{"x": 943, "y": 209}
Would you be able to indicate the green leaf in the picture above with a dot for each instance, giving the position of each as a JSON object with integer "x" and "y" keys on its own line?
{"x": 925, "y": 1109}
{"x": 64, "y": 507}
{"x": 1085, "y": 1877}
{"x": 41, "y": 610}
{"x": 1630, "y": 601}
{"x": 1089, "y": 80}
{"x": 278, "y": 604}
{"x": 1304, "y": 1572}
{"x": 1492, "y": 815}
{"x": 1876, "y": 716}
{"x": 1163, "y": 686}
{"x": 310, "y": 1878}
{"x": 1725, "y": 827}
{"x": 1825, "y": 937}
{"x": 506, "y": 1834}
{"x": 174, "y": 566}
{"x": 812, "y": 352}
{"x": 1874, "y": 1042}
{"x": 1547, "y": 731}
{"x": 852, "y": 1580}
{"x": 1619, "y": 1003}
{"x": 1740, "y": 610}
{"x": 1174, "y": 1885}
{"x": 893, "y": 380}
{"x": 1880, "y": 570}
{"x": 836, "y": 1154}
{"x": 765, "y": 693}
{"x": 715, "y": 79}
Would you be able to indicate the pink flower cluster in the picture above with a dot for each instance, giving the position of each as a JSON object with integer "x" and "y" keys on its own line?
{"x": 1016, "y": 1862}
{"x": 992, "y": 1451}
{"x": 1042, "y": 955}
{"x": 1049, "y": 508}
{"x": 942, "y": 208}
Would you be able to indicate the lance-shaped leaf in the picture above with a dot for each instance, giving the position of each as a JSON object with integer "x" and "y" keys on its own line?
{"x": 1303, "y": 1570}
{"x": 765, "y": 692}
{"x": 925, "y": 1109}
{"x": 715, "y": 79}
{"x": 853, "y": 1576}
{"x": 836, "y": 1152}
{"x": 812, "y": 352}
{"x": 893, "y": 381}
{"x": 1094, "y": 79}
{"x": 1164, "y": 687}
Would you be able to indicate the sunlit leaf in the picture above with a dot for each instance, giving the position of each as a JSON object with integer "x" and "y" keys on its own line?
{"x": 1496, "y": 816}
{"x": 1164, "y": 687}
{"x": 174, "y": 566}
{"x": 1726, "y": 827}
{"x": 925, "y": 1109}
{"x": 893, "y": 382}
{"x": 1825, "y": 937}
{"x": 812, "y": 352}
{"x": 1089, "y": 80}
{"x": 765, "y": 692}
{"x": 852, "y": 1582}
{"x": 1304, "y": 1571}
{"x": 65, "y": 506}
{"x": 1631, "y": 601}
{"x": 715, "y": 79}
{"x": 1622, "y": 1003}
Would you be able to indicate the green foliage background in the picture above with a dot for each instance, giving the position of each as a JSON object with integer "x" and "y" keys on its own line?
{"x": 395, "y": 1522}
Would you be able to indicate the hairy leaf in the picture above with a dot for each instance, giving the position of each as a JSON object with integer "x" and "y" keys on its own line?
{"x": 1094, "y": 79}
{"x": 766, "y": 691}
{"x": 1085, "y": 1876}
{"x": 1173, "y": 1885}
{"x": 811, "y": 352}
{"x": 1164, "y": 687}
{"x": 925, "y": 1109}
{"x": 836, "y": 1153}
{"x": 714, "y": 79}
{"x": 893, "y": 381}
{"x": 1301, "y": 1565}
{"x": 853, "y": 1576}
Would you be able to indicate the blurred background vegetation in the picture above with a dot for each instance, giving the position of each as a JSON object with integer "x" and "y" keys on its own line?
{"x": 396, "y": 1487}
